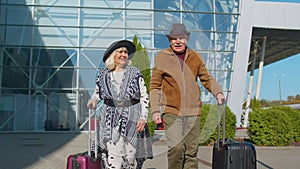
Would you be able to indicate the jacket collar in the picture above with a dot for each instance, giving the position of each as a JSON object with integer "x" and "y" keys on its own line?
{"x": 169, "y": 51}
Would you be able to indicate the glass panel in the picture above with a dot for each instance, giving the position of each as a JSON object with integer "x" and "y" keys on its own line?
{"x": 21, "y": 112}
{"x": 96, "y": 3}
{"x": 293, "y": 1}
{"x": 103, "y": 18}
{"x": 227, "y": 59}
{"x": 167, "y": 5}
{"x": 139, "y": 4}
{"x": 134, "y": 4}
{"x": 53, "y": 78}
{"x": 6, "y": 113}
{"x": 19, "y": 15}
{"x": 164, "y": 20}
{"x": 222, "y": 77}
{"x": 37, "y": 114}
{"x": 196, "y": 21}
{"x": 54, "y": 58}
{"x": 160, "y": 40}
{"x": 206, "y": 55}
{"x": 58, "y": 3}
{"x": 19, "y": 2}
{"x": 101, "y": 37}
{"x": 139, "y": 19}
{"x": 91, "y": 58}
{"x": 15, "y": 77}
{"x": 225, "y": 22}
{"x": 51, "y": 36}
{"x": 100, "y": 17}
{"x": 201, "y": 41}
{"x": 201, "y": 6}
{"x": 225, "y": 41}
{"x": 144, "y": 36}
{"x": 87, "y": 78}
{"x": 53, "y": 112}
{"x": 55, "y": 36}
{"x": 227, "y": 6}
{"x": 110, "y": 3}
{"x": 90, "y": 61}
{"x": 61, "y": 112}
{"x": 83, "y": 112}
{"x": 16, "y": 57}
{"x": 18, "y": 35}
{"x": 15, "y": 68}
{"x": 56, "y": 16}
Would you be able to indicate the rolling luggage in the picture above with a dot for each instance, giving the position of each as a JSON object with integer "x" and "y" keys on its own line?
{"x": 89, "y": 159}
{"x": 232, "y": 154}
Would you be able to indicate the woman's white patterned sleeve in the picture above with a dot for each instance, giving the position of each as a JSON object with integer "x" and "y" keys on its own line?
{"x": 144, "y": 100}
{"x": 95, "y": 95}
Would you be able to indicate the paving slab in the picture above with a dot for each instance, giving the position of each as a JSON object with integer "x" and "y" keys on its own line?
{"x": 49, "y": 150}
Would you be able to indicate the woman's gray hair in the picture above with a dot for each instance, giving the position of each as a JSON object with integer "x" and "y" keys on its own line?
{"x": 110, "y": 61}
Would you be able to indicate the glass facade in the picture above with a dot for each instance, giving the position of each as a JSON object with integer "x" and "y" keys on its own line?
{"x": 293, "y": 1}
{"x": 50, "y": 50}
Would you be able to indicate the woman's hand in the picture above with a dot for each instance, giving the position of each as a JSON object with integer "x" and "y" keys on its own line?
{"x": 140, "y": 125}
{"x": 92, "y": 104}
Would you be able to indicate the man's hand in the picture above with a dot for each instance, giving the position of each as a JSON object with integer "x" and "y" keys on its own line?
{"x": 156, "y": 117}
{"x": 92, "y": 104}
{"x": 221, "y": 98}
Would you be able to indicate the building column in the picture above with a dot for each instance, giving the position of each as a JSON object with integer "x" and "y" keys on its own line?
{"x": 261, "y": 65}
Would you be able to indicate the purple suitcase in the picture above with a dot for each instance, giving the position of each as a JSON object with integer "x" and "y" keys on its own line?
{"x": 83, "y": 161}
{"x": 86, "y": 160}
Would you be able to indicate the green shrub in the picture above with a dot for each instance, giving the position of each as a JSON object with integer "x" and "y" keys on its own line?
{"x": 151, "y": 124}
{"x": 275, "y": 126}
{"x": 294, "y": 118}
{"x": 209, "y": 121}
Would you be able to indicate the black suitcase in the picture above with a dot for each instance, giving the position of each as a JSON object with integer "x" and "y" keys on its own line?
{"x": 232, "y": 154}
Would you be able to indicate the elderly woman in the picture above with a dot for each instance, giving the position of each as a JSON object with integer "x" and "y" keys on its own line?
{"x": 123, "y": 116}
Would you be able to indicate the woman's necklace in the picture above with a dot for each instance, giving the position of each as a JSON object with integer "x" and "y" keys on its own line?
{"x": 117, "y": 78}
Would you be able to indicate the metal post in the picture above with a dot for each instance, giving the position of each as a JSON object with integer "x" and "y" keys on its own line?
{"x": 245, "y": 122}
{"x": 261, "y": 65}
{"x": 279, "y": 92}
{"x": 2, "y": 21}
{"x": 180, "y": 8}
{"x": 79, "y": 43}
{"x": 279, "y": 85}
{"x": 124, "y": 19}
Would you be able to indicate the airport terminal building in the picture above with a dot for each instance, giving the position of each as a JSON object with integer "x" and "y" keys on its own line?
{"x": 50, "y": 50}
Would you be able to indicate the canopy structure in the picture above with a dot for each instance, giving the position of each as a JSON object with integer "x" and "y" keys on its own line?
{"x": 280, "y": 44}
{"x": 268, "y": 46}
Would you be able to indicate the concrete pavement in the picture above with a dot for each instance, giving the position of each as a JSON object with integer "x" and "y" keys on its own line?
{"x": 49, "y": 150}
{"x": 267, "y": 157}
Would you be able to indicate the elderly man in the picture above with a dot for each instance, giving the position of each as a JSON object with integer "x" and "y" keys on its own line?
{"x": 175, "y": 97}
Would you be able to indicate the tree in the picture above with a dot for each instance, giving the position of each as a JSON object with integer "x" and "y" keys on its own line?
{"x": 141, "y": 60}
{"x": 297, "y": 97}
{"x": 290, "y": 98}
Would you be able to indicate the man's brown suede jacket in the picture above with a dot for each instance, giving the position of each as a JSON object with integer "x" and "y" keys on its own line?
{"x": 175, "y": 89}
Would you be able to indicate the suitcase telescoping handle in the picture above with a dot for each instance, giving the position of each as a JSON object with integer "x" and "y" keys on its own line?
{"x": 93, "y": 113}
{"x": 221, "y": 107}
